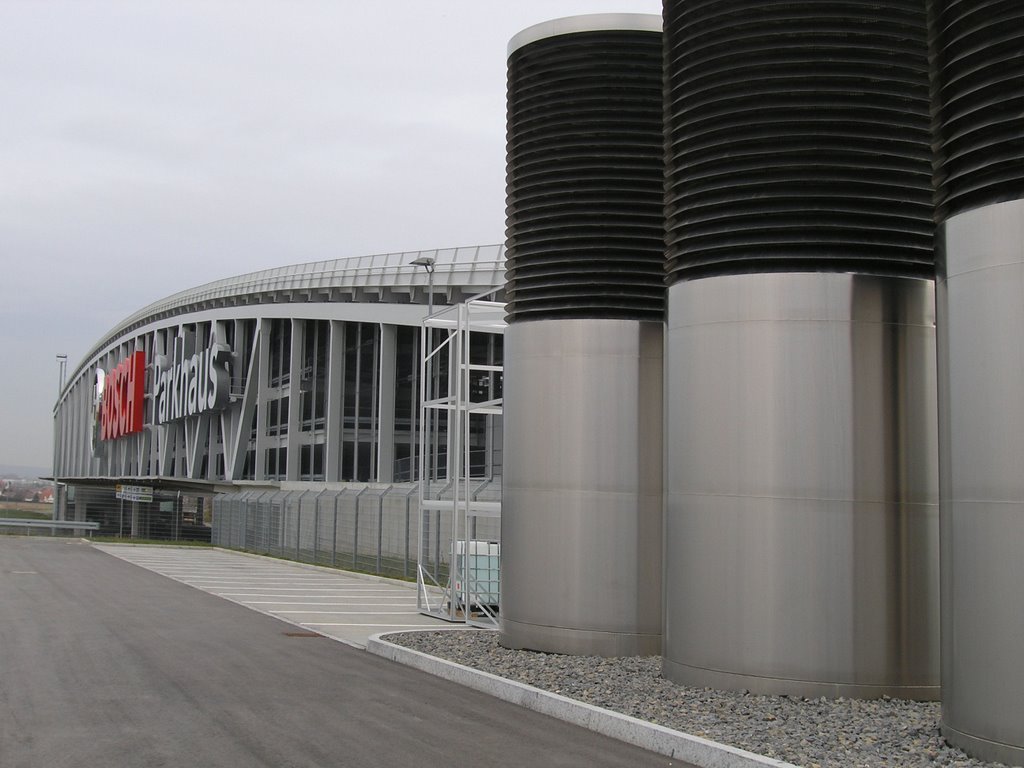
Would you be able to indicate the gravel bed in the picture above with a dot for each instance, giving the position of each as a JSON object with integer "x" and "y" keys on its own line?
{"x": 841, "y": 733}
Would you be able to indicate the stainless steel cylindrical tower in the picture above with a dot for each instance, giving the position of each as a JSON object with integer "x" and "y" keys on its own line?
{"x": 582, "y": 497}
{"x": 978, "y": 104}
{"x": 801, "y": 460}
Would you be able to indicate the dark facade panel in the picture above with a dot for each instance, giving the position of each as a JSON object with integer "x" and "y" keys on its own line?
{"x": 797, "y": 137}
{"x": 978, "y": 95}
{"x": 585, "y": 167}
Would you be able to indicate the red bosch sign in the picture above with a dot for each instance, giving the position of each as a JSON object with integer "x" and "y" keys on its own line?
{"x": 124, "y": 398}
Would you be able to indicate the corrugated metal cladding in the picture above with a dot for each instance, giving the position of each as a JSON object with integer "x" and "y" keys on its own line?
{"x": 797, "y": 137}
{"x": 585, "y": 177}
{"x": 978, "y": 92}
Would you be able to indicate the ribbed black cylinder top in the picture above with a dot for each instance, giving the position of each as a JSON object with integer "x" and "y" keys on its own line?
{"x": 585, "y": 230}
{"x": 978, "y": 100}
{"x": 797, "y": 137}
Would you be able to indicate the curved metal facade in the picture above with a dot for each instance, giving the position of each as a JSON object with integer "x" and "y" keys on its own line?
{"x": 302, "y": 373}
{"x": 377, "y": 279}
{"x": 981, "y": 318}
{"x": 581, "y": 506}
{"x": 801, "y": 485}
{"x": 978, "y": 96}
{"x": 801, "y": 460}
{"x": 582, "y": 491}
{"x": 797, "y": 138}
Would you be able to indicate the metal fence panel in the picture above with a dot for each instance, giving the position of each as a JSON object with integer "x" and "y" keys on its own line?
{"x": 368, "y": 528}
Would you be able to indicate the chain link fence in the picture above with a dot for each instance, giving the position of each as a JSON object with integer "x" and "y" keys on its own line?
{"x": 368, "y": 528}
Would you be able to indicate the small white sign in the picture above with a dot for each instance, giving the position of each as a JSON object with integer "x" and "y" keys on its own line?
{"x": 134, "y": 492}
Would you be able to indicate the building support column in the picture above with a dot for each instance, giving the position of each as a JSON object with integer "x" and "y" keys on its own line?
{"x": 295, "y": 378}
{"x": 260, "y": 380}
{"x": 335, "y": 401}
{"x": 386, "y": 404}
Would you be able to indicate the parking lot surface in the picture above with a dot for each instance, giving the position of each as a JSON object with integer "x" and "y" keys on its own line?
{"x": 108, "y": 664}
{"x": 348, "y": 607}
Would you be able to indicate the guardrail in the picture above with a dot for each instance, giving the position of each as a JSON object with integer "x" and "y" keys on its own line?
{"x": 53, "y": 525}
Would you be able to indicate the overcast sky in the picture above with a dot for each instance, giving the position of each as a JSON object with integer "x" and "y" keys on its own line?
{"x": 148, "y": 146}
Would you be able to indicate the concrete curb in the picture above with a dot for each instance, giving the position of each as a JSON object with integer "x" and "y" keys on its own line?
{"x": 655, "y": 738}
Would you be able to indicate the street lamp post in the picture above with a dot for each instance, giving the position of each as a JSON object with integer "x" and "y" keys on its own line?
{"x": 62, "y": 362}
{"x": 427, "y": 467}
{"x": 428, "y": 264}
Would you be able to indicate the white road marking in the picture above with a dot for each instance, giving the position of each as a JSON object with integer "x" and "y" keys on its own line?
{"x": 352, "y": 612}
{"x": 333, "y": 624}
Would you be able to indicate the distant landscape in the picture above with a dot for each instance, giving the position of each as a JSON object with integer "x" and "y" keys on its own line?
{"x": 25, "y": 509}
{"x": 23, "y": 494}
{"x": 17, "y": 470}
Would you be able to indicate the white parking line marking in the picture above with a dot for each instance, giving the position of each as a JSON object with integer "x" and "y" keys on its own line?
{"x": 250, "y": 594}
{"x": 306, "y": 602}
{"x": 350, "y": 612}
{"x": 295, "y": 589}
{"x": 332, "y": 624}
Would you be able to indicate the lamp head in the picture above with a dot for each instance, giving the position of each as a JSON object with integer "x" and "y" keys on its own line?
{"x": 424, "y": 261}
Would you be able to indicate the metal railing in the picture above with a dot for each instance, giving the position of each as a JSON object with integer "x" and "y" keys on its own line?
{"x": 468, "y": 268}
{"x": 53, "y": 525}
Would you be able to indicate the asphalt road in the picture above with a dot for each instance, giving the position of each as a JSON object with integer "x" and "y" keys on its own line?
{"x": 105, "y": 664}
